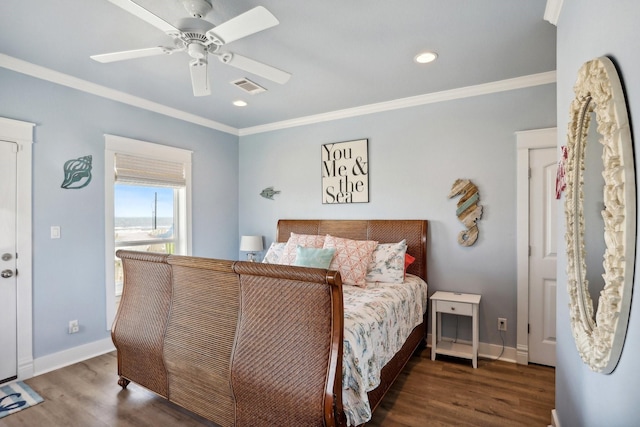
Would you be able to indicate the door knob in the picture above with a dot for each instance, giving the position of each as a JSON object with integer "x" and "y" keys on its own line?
{"x": 6, "y": 273}
{"x": 6, "y": 256}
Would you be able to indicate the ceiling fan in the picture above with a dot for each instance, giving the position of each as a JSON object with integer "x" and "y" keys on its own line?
{"x": 200, "y": 38}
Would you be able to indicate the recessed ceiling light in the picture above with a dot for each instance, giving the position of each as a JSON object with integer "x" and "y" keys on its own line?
{"x": 239, "y": 103}
{"x": 425, "y": 57}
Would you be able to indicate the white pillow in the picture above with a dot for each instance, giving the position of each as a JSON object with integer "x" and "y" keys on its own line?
{"x": 274, "y": 253}
{"x": 387, "y": 263}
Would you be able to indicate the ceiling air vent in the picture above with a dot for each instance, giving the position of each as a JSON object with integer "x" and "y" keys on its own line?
{"x": 248, "y": 86}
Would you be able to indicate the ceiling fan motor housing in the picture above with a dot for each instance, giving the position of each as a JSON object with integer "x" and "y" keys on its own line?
{"x": 193, "y": 37}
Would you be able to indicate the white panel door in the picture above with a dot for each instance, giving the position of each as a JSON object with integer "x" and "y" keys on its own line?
{"x": 8, "y": 295}
{"x": 543, "y": 226}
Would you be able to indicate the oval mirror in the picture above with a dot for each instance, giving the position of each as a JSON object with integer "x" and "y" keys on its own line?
{"x": 593, "y": 205}
{"x": 599, "y": 334}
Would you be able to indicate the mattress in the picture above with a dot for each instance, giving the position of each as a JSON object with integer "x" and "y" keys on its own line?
{"x": 377, "y": 321}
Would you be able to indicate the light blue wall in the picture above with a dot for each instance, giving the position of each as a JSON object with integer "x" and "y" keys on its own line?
{"x": 588, "y": 29}
{"x": 69, "y": 273}
{"x": 415, "y": 155}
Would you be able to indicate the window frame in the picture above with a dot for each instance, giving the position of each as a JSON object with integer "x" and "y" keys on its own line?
{"x": 118, "y": 144}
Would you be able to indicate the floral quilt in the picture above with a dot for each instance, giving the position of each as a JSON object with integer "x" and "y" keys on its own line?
{"x": 377, "y": 321}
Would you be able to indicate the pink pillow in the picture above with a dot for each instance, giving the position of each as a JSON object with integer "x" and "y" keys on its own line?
{"x": 288, "y": 256}
{"x": 351, "y": 259}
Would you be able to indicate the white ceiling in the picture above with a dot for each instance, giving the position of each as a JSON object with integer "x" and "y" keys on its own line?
{"x": 342, "y": 53}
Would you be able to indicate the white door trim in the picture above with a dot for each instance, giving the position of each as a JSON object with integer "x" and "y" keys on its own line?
{"x": 22, "y": 133}
{"x": 525, "y": 141}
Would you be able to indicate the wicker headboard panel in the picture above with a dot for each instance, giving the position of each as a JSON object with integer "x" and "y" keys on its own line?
{"x": 383, "y": 231}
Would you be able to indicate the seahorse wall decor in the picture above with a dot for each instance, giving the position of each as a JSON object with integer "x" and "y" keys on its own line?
{"x": 468, "y": 211}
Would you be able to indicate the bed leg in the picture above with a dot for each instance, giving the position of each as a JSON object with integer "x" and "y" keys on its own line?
{"x": 123, "y": 382}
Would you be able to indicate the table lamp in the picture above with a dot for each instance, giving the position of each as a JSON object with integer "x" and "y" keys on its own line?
{"x": 251, "y": 244}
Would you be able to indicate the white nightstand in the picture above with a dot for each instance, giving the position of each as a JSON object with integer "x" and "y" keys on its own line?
{"x": 461, "y": 305}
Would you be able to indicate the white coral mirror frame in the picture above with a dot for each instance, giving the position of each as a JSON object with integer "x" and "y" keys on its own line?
{"x": 600, "y": 338}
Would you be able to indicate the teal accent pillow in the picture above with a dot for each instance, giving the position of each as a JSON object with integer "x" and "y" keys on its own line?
{"x": 314, "y": 257}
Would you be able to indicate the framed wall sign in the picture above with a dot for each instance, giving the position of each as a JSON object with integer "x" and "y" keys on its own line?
{"x": 345, "y": 172}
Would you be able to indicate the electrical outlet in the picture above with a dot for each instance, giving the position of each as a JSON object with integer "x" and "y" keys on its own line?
{"x": 502, "y": 324}
{"x": 74, "y": 327}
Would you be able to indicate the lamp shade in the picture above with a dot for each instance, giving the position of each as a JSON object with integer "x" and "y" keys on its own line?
{"x": 251, "y": 243}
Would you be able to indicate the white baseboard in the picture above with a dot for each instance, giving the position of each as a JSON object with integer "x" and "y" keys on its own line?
{"x": 522, "y": 355}
{"x": 555, "y": 422}
{"x": 54, "y": 361}
{"x": 492, "y": 351}
{"x": 77, "y": 354}
{"x": 25, "y": 369}
{"x": 489, "y": 351}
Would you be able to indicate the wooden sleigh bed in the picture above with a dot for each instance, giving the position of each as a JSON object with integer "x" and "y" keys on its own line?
{"x": 251, "y": 344}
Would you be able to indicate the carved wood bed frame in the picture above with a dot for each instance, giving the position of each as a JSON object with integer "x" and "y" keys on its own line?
{"x": 224, "y": 338}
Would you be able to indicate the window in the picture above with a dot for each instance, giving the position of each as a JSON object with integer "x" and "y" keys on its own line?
{"x": 145, "y": 220}
{"x": 147, "y": 204}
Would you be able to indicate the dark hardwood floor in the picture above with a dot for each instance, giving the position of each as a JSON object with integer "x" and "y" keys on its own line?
{"x": 445, "y": 392}
{"x": 449, "y": 392}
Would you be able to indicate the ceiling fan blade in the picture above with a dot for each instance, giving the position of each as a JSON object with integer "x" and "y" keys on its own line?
{"x": 255, "y": 67}
{"x": 199, "y": 77}
{"x": 132, "y": 54}
{"x": 243, "y": 25}
{"x": 145, "y": 15}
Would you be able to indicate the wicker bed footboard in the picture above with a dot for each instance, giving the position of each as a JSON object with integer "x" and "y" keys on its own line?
{"x": 238, "y": 343}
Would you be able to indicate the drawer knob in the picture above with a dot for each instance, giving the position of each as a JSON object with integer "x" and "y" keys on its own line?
{"x": 453, "y": 309}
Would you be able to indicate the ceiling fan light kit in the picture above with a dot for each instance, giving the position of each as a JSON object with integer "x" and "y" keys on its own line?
{"x": 199, "y": 38}
{"x": 197, "y": 51}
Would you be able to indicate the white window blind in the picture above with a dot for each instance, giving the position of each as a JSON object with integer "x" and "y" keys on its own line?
{"x": 145, "y": 171}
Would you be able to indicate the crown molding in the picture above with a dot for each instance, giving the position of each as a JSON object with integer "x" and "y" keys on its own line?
{"x": 548, "y": 77}
{"x": 63, "y": 79}
{"x": 552, "y": 11}
{"x": 56, "y": 77}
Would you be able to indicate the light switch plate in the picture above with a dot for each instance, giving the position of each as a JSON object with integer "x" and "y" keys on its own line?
{"x": 55, "y": 231}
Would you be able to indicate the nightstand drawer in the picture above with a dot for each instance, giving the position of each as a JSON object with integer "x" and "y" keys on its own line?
{"x": 460, "y": 308}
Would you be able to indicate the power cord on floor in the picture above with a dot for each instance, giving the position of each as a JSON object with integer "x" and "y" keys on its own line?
{"x": 456, "y": 338}
{"x": 501, "y": 351}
